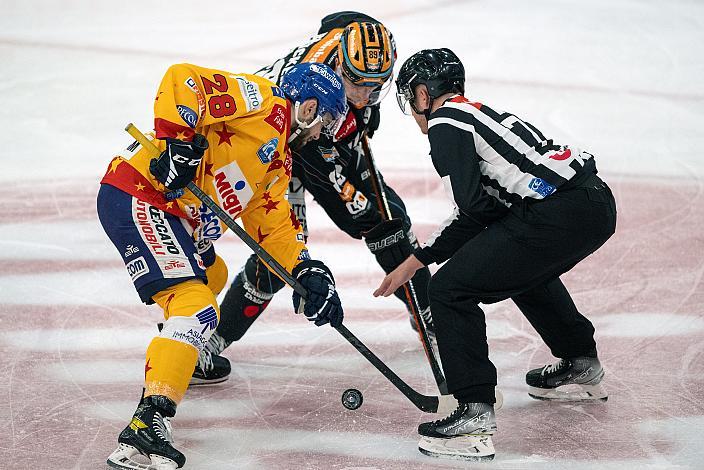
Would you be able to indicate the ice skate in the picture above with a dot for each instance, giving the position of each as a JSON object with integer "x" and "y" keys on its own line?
{"x": 577, "y": 379}
{"x": 464, "y": 435}
{"x": 211, "y": 368}
{"x": 148, "y": 434}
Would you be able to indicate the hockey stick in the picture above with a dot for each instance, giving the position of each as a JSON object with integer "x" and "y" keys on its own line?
{"x": 429, "y": 404}
{"x": 408, "y": 288}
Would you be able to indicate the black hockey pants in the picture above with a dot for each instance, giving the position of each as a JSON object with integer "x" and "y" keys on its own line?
{"x": 519, "y": 257}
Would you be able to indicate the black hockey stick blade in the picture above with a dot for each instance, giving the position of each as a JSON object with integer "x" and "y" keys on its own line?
{"x": 426, "y": 403}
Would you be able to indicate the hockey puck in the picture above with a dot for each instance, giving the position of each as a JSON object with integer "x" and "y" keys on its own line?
{"x": 352, "y": 399}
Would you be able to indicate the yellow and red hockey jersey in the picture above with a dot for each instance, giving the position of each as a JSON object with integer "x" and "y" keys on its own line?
{"x": 246, "y": 168}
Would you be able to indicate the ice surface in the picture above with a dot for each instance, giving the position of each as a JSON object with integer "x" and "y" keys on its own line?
{"x": 620, "y": 78}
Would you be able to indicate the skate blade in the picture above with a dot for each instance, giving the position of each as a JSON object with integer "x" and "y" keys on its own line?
{"x": 477, "y": 448}
{"x": 122, "y": 458}
{"x": 196, "y": 381}
{"x": 570, "y": 393}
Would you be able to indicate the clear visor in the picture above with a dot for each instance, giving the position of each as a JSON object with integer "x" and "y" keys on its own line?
{"x": 404, "y": 96}
{"x": 365, "y": 93}
{"x": 330, "y": 124}
{"x": 380, "y": 92}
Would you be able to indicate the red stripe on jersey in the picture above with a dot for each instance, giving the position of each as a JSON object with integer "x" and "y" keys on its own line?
{"x": 166, "y": 129}
{"x": 125, "y": 177}
{"x": 462, "y": 99}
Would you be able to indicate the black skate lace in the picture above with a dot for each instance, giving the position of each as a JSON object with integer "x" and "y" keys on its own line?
{"x": 461, "y": 408}
{"x": 550, "y": 368}
{"x": 216, "y": 344}
{"x": 205, "y": 360}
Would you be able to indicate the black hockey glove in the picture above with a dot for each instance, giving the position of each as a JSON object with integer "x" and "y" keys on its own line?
{"x": 323, "y": 304}
{"x": 177, "y": 165}
{"x": 372, "y": 116}
{"x": 389, "y": 243}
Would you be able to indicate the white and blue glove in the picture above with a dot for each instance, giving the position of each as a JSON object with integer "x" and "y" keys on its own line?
{"x": 323, "y": 304}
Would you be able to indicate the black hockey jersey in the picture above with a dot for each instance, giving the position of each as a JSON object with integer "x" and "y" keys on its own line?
{"x": 488, "y": 161}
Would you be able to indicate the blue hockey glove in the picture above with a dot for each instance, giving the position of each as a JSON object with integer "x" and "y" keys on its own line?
{"x": 323, "y": 304}
{"x": 178, "y": 164}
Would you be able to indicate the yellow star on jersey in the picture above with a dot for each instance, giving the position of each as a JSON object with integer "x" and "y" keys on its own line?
{"x": 181, "y": 136}
{"x": 170, "y": 205}
{"x": 114, "y": 164}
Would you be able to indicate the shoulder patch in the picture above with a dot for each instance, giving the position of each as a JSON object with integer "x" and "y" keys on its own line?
{"x": 189, "y": 116}
{"x": 277, "y": 118}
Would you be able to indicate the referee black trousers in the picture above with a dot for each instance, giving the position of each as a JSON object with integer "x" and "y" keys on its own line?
{"x": 519, "y": 257}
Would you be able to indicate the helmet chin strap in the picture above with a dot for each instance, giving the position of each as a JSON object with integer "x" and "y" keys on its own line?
{"x": 426, "y": 112}
{"x": 300, "y": 125}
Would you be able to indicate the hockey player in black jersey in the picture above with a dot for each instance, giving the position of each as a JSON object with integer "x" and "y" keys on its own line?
{"x": 335, "y": 172}
{"x": 527, "y": 210}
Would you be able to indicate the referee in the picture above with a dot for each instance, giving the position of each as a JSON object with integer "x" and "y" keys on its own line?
{"x": 527, "y": 210}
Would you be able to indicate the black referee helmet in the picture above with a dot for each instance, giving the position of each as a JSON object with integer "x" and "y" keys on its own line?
{"x": 440, "y": 70}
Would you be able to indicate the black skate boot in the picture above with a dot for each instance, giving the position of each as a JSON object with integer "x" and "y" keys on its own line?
{"x": 576, "y": 379}
{"x": 464, "y": 435}
{"x": 211, "y": 367}
{"x": 427, "y": 322}
{"x": 149, "y": 434}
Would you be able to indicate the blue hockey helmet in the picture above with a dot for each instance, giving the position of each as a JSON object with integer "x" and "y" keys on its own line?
{"x": 313, "y": 80}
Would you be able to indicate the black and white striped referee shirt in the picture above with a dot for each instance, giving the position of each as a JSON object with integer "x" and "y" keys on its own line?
{"x": 488, "y": 161}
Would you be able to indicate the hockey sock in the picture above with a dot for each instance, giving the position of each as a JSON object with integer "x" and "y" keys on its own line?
{"x": 191, "y": 314}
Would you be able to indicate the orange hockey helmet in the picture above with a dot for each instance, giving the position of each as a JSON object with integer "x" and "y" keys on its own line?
{"x": 366, "y": 53}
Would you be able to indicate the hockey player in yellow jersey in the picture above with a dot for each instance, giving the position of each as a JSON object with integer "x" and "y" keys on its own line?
{"x": 335, "y": 172}
{"x": 230, "y": 135}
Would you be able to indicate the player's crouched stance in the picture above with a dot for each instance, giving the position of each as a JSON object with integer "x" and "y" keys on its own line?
{"x": 527, "y": 210}
{"x": 165, "y": 234}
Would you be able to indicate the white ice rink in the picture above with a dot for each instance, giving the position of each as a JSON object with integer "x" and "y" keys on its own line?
{"x": 623, "y": 79}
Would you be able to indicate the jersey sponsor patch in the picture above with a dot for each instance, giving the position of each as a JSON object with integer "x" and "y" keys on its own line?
{"x": 348, "y": 127}
{"x": 267, "y": 150}
{"x": 208, "y": 317}
{"x": 328, "y": 154}
{"x": 209, "y": 228}
{"x": 277, "y": 118}
{"x": 250, "y": 92}
{"x": 232, "y": 189}
{"x": 130, "y": 250}
{"x": 541, "y": 187}
{"x": 189, "y": 330}
{"x": 161, "y": 240}
{"x": 137, "y": 268}
{"x": 188, "y": 115}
